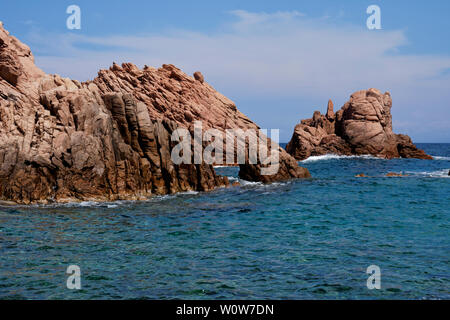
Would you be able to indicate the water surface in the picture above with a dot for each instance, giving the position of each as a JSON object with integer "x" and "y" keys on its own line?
{"x": 304, "y": 239}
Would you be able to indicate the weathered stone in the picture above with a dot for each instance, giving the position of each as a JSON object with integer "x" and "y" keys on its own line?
{"x": 330, "y": 112}
{"x": 199, "y": 77}
{"x": 362, "y": 126}
{"x": 106, "y": 139}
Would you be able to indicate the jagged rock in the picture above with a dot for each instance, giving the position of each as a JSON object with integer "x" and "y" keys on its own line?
{"x": 407, "y": 149}
{"x": 362, "y": 126}
{"x": 106, "y": 139}
{"x": 330, "y": 111}
{"x": 288, "y": 168}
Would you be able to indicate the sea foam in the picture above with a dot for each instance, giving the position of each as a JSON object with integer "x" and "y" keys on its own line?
{"x": 432, "y": 174}
{"x": 441, "y": 158}
{"x": 336, "y": 156}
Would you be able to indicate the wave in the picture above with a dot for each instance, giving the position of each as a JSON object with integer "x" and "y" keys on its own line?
{"x": 81, "y": 204}
{"x": 158, "y": 198}
{"x": 261, "y": 185}
{"x": 102, "y": 204}
{"x": 432, "y": 174}
{"x": 250, "y": 183}
{"x": 232, "y": 179}
{"x": 186, "y": 193}
{"x": 441, "y": 158}
{"x": 332, "y": 156}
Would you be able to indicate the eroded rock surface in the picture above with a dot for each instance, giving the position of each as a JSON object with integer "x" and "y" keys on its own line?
{"x": 106, "y": 139}
{"x": 362, "y": 126}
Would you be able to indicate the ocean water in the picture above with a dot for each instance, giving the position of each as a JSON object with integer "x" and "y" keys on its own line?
{"x": 304, "y": 239}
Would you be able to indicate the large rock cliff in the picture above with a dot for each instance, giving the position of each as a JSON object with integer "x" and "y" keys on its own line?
{"x": 110, "y": 138}
{"x": 362, "y": 126}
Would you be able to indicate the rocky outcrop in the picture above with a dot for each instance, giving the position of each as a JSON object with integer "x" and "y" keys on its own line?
{"x": 106, "y": 139}
{"x": 395, "y": 174}
{"x": 288, "y": 168}
{"x": 362, "y": 126}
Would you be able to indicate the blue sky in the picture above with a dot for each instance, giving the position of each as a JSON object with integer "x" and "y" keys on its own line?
{"x": 278, "y": 60}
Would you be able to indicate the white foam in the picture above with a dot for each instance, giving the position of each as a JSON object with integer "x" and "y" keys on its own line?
{"x": 186, "y": 193}
{"x": 441, "y": 158}
{"x": 113, "y": 204}
{"x": 261, "y": 185}
{"x": 332, "y": 156}
{"x": 158, "y": 198}
{"x": 432, "y": 174}
{"x": 82, "y": 204}
{"x": 85, "y": 204}
{"x": 250, "y": 183}
{"x": 232, "y": 179}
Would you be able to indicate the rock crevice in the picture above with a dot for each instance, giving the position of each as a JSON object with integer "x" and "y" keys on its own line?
{"x": 109, "y": 138}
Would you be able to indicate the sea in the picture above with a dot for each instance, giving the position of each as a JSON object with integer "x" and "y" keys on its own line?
{"x": 317, "y": 238}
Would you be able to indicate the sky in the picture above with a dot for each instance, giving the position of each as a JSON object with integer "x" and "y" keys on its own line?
{"x": 279, "y": 61}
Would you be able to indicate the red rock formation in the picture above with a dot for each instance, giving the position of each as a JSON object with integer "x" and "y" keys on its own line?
{"x": 330, "y": 112}
{"x": 362, "y": 126}
{"x": 106, "y": 139}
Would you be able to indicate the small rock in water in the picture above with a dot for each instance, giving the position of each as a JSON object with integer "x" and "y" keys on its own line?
{"x": 393, "y": 174}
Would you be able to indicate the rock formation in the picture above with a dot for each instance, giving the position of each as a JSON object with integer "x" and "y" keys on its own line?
{"x": 362, "y": 126}
{"x": 395, "y": 174}
{"x": 106, "y": 139}
{"x": 360, "y": 175}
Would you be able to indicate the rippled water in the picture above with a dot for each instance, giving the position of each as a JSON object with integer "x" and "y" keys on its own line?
{"x": 306, "y": 239}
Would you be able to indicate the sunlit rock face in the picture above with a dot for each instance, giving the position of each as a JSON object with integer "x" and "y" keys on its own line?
{"x": 109, "y": 138}
{"x": 362, "y": 126}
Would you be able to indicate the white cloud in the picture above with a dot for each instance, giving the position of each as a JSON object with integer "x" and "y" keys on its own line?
{"x": 283, "y": 54}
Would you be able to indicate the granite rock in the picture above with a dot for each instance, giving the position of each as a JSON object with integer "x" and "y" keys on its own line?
{"x": 362, "y": 126}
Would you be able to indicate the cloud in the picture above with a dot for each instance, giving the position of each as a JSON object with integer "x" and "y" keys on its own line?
{"x": 250, "y": 20}
{"x": 268, "y": 55}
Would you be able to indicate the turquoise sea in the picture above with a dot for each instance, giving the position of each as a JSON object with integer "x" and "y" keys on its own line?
{"x": 304, "y": 239}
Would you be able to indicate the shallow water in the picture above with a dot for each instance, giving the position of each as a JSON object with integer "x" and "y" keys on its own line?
{"x": 305, "y": 239}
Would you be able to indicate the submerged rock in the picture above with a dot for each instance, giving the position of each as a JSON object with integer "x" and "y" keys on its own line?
{"x": 362, "y": 126}
{"x": 394, "y": 174}
{"x": 361, "y": 175}
{"x": 106, "y": 139}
